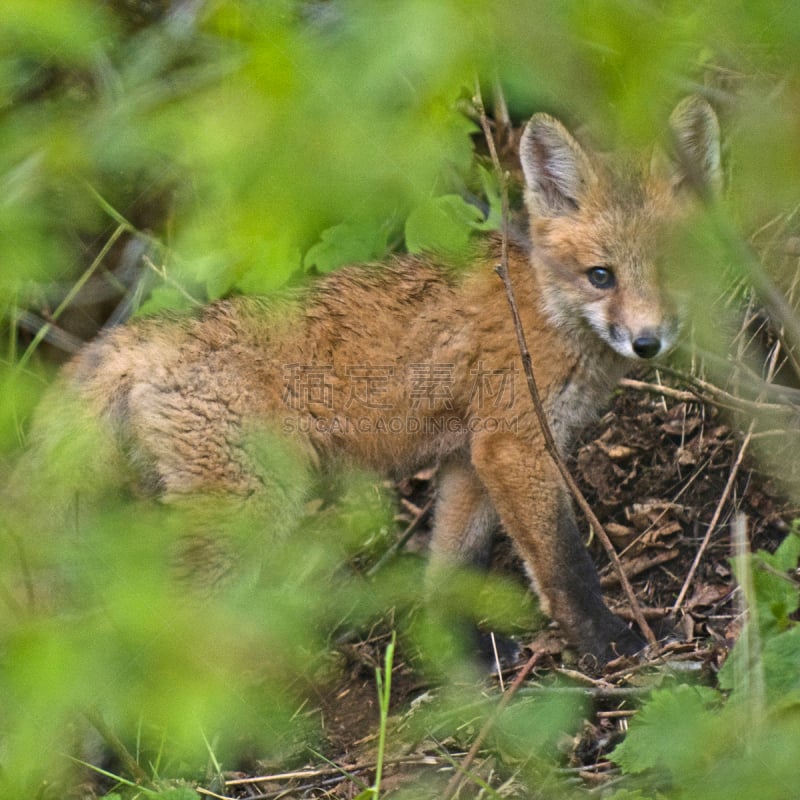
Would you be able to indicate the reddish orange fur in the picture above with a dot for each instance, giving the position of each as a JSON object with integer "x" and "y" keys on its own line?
{"x": 182, "y": 399}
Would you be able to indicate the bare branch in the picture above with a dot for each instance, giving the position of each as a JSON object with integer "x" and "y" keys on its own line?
{"x": 549, "y": 441}
{"x": 455, "y": 782}
{"x": 714, "y": 519}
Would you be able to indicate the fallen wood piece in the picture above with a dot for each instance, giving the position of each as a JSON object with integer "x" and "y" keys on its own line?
{"x": 637, "y": 565}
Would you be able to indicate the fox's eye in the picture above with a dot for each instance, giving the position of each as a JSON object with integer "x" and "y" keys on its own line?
{"x": 602, "y": 278}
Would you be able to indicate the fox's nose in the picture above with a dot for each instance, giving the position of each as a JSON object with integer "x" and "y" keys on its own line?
{"x": 646, "y": 345}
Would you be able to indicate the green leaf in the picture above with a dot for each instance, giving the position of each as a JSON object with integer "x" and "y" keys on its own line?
{"x": 787, "y": 555}
{"x": 442, "y": 225}
{"x": 491, "y": 191}
{"x": 269, "y": 268}
{"x": 534, "y": 725}
{"x": 777, "y": 595}
{"x": 165, "y": 298}
{"x": 346, "y": 243}
{"x": 68, "y": 29}
{"x": 179, "y": 793}
{"x": 781, "y": 657}
{"x": 668, "y": 732}
{"x": 776, "y": 601}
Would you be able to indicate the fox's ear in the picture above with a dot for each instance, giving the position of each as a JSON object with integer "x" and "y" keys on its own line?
{"x": 695, "y": 144}
{"x": 557, "y": 171}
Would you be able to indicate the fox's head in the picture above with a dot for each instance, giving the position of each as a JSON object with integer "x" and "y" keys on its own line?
{"x": 598, "y": 227}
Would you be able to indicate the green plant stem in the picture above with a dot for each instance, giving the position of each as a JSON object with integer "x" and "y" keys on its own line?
{"x": 116, "y": 746}
{"x": 79, "y": 284}
{"x": 384, "y": 695}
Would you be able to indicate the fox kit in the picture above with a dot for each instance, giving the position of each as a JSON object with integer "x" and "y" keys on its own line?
{"x": 414, "y": 363}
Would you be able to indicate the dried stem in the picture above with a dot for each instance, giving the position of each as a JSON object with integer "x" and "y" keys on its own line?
{"x": 784, "y": 399}
{"x": 714, "y": 519}
{"x": 410, "y": 530}
{"x": 455, "y": 782}
{"x": 116, "y": 746}
{"x": 527, "y": 365}
{"x": 45, "y": 329}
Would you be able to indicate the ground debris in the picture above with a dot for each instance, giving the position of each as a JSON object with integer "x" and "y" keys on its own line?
{"x": 654, "y": 468}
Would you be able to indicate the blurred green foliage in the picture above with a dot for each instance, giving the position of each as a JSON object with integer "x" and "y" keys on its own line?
{"x": 743, "y": 743}
{"x": 245, "y": 142}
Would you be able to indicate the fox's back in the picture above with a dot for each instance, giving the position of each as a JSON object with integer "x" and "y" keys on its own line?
{"x": 351, "y": 345}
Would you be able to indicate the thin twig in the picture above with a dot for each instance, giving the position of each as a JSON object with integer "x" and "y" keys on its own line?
{"x": 714, "y": 519}
{"x": 45, "y": 329}
{"x": 117, "y": 747}
{"x": 343, "y": 772}
{"x": 552, "y": 450}
{"x": 463, "y": 767}
{"x": 527, "y": 365}
{"x": 410, "y": 530}
{"x": 642, "y": 564}
{"x": 786, "y": 398}
{"x": 53, "y": 335}
{"x": 168, "y": 279}
{"x": 209, "y": 793}
{"x": 681, "y": 395}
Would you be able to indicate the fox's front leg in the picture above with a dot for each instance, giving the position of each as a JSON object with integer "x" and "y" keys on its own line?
{"x": 536, "y": 511}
